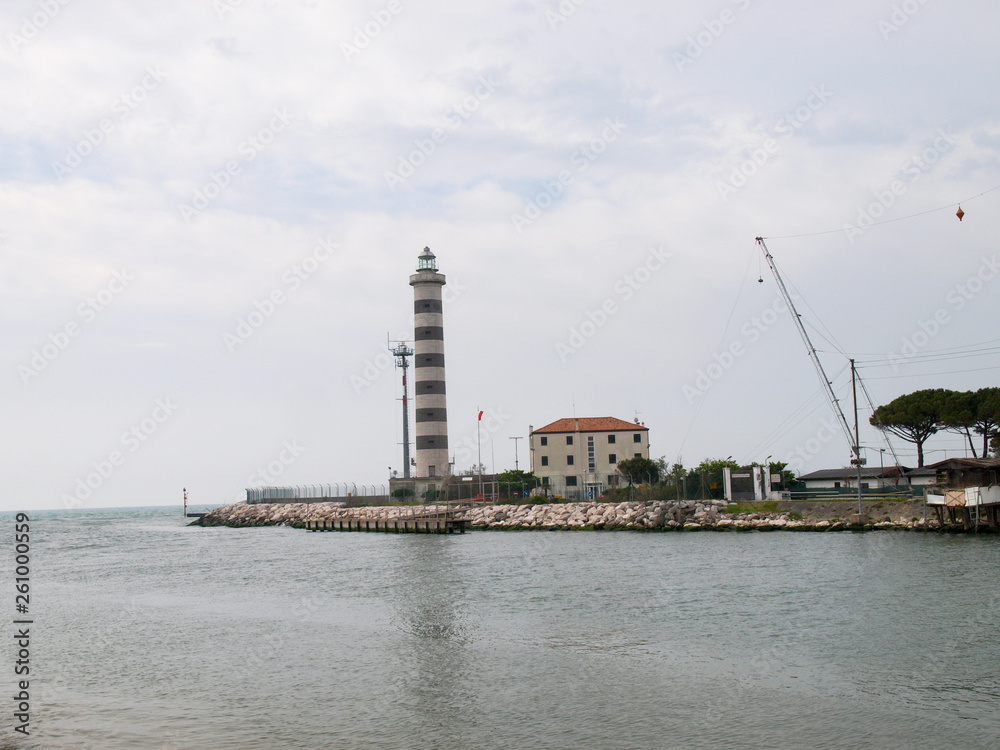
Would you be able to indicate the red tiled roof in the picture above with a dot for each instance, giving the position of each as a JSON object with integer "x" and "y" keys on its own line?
{"x": 591, "y": 424}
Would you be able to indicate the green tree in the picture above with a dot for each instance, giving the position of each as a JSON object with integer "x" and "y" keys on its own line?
{"x": 781, "y": 467}
{"x": 514, "y": 480}
{"x": 676, "y": 481}
{"x": 711, "y": 472}
{"x": 958, "y": 414}
{"x": 639, "y": 470}
{"x": 987, "y": 416}
{"x": 913, "y": 416}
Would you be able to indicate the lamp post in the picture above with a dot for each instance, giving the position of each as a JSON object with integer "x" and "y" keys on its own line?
{"x": 479, "y": 444}
{"x": 515, "y": 439}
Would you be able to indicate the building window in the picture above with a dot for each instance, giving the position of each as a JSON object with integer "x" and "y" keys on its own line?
{"x": 836, "y": 484}
{"x": 432, "y": 471}
{"x": 864, "y": 485}
{"x": 611, "y": 438}
{"x": 613, "y": 458}
{"x": 545, "y": 481}
{"x": 637, "y": 437}
{"x": 545, "y": 441}
{"x": 612, "y": 480}
{"x": 569, "y": 440}
{"x": 569, "y": 460}
{"x": 545, "y": 460}
{"x": 591, "y": 465}
{"x": 571, "y": 481}
{"x": 638, "y": 455}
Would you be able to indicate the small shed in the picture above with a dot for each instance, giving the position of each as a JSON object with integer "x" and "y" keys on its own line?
{"x": 846, "y": 478}
{"x": 970, "y": 486}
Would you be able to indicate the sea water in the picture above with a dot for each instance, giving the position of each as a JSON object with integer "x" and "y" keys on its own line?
{"x": 149, "y": 633}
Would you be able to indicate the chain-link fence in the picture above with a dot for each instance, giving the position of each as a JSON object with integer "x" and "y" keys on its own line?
{"x": 319, "y": 493}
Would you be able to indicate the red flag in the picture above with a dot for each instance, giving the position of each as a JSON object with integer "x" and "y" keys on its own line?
{"x": 480, "y": 416}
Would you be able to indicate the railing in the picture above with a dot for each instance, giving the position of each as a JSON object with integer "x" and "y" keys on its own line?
{"x": 317, "y": 493}
{"x": 869, "y": 493}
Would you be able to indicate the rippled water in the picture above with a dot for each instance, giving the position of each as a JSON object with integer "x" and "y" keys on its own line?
{"x": 151, "y": 634}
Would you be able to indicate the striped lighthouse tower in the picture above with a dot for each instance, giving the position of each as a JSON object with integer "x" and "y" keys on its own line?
{"x": 428, "y": 367}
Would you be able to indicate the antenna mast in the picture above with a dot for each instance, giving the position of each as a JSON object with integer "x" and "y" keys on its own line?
{"x": 401, "y": 352}
{"x": 812, "y": 352}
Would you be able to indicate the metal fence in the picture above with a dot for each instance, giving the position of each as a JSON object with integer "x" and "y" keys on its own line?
{"x": 317, "y": 493}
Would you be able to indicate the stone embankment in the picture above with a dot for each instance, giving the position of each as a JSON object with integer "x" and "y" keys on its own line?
{"x": 629, "y": 516}
{"x": 272, "y": 514}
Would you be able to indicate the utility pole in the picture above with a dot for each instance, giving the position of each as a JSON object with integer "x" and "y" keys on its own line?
{"x": 857, "y": 460}
{"x": 797, "y": 319}
{"x": 515, "y": 439}
{"x": 401, "y": 352}
{"x": 479, "y": 441}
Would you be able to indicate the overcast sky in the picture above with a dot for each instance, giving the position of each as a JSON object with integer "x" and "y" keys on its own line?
{"x": 211, "y": 210}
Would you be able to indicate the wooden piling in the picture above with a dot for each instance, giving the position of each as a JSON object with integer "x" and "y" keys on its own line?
{"x": 433, "y": 523}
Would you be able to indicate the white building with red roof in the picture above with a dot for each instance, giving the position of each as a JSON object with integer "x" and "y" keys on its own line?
{"x": 577, "y": 457}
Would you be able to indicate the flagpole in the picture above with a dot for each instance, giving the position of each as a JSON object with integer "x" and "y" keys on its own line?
{"x": 479, "y": 439}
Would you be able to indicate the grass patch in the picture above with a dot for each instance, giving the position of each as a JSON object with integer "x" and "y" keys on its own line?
{"x": 795, "y": 516}
{"x": 767, "y": 506}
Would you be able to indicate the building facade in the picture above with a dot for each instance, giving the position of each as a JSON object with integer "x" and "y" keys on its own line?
{"x": 577, "y": 458}
{"x": 872, "y": 478}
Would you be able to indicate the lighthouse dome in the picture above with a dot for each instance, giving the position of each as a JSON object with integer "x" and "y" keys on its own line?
{"x": 426, "y": 261}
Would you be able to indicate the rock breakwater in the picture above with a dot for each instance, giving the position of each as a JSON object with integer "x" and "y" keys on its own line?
{"x": 708, "y": 515}
{"x": 629, "y": 516}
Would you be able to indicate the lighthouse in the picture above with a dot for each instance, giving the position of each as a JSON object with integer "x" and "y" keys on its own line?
{"x": 428, "y": 366}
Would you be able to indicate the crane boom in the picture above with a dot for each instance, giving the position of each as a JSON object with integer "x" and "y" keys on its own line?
{"x": 827, "y": 386}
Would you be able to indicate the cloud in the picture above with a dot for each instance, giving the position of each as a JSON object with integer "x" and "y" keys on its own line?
{"x": 156, "y": 105}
